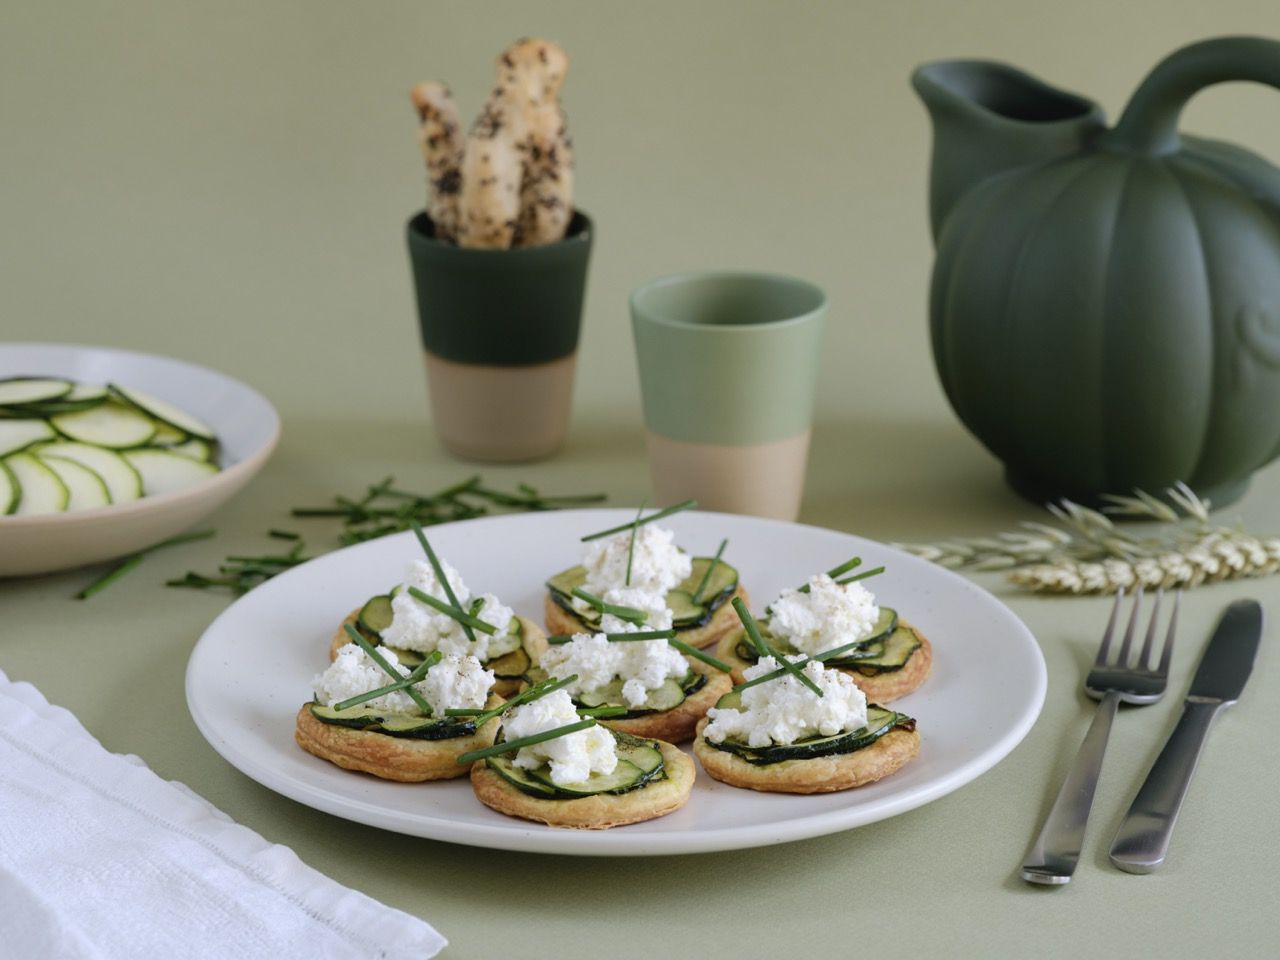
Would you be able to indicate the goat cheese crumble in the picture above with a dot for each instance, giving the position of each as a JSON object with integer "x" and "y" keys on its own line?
{"x": 826, "y": 616}
{"x": 657, "y": 566}
{"x": 642, "y": 665}
{"x": 574, "y": 757}
{"x": 455, "y": 683}
{"x": 783, "y": 711}
{"x": 416, "y": 626}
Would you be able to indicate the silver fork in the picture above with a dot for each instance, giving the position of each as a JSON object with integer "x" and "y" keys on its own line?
{"x": 1056, "y": 852}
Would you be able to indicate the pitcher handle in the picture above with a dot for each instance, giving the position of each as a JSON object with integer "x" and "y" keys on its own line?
{"x": 1150, "y": 121}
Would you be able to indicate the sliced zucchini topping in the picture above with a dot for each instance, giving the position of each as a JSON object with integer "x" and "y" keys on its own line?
{"x": 887, "y": 649}
{"x": 879, "y": 722}
{"x": 395, "y": 724}
{"x": 639, "y": 763}
{"x": 668, "y": 696}
{"x": 717, "y": 580}
{"x": 376, "y": 615}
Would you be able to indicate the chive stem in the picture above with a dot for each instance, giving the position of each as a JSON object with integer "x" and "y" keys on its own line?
{"x": 416, "y": 676}
{"x": 706, "y": 577}
{"x": 629, "y": 614}
{"x": 762, "y": 648}
{"x": 511, "y": 746}
{"x": 284, "y": 534}
{"x": 442, "y": 579}
{"x": 687, "y": 504}
{"x": 697, "y": 654}
{"x": 461, "y": 616}
{"x": 874, "y": 571}
{"x": 821, "y": 657}
{"x": 536, "y": 692}
{"x": 601, "y": 712}
{"x": 394, "y": 674}
{"x": 120, "y": 569}
{"x": 631, "y": 545}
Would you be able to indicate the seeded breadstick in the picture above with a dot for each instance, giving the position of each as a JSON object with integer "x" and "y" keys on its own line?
{"x": 546, "y": 194}
{"x": 492, "y": 171}
{"x": 441, "y": 140}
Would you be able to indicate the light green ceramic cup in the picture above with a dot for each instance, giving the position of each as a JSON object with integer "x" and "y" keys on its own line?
{"x": 728, "y": 371}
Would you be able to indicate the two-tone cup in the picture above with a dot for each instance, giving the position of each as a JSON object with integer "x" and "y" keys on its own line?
{"x": 728, "y": 371}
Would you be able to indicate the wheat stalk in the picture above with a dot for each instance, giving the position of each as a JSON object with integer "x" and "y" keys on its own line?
{"x": 1090, "y": 554}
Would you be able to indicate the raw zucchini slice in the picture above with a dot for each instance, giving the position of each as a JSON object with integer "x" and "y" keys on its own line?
{"x": 123, "y": 482}
{"x": 163, "y": 472}
{"x": 195, "y": 448}
{"x": 106, "y": 425}
{"x": 85, "y": 489}
{"x": 879, "y": 722}
{"x": 17, "y": 435}
{"x": 163, "y": 410}
{"x": 395, "y": 724}
{"x": 9, "y": 490}
{"x": 39, "y": 489}
{"x": 167, "y": 436}
{"x": 85, "y": 391}
{"x": 376, "y": 615}
{"x": 33, "y": 389}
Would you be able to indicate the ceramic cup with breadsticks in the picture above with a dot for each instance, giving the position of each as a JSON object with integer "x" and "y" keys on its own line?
{"x": 499, "y": 257}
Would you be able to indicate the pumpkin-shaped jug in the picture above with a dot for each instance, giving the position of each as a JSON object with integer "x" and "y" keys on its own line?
{"x": 1105, "y": 304}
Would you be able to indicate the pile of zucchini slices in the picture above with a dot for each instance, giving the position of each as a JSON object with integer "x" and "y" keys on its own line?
{"x": 67, "y": 446}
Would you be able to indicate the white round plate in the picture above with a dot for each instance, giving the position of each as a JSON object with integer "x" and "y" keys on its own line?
{"x": 246, "y": 425}
{"x": 253, "y": 668}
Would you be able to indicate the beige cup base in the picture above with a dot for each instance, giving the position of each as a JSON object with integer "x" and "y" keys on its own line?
{"x": 763, "y": 479}
{"x": 500, "y": 414}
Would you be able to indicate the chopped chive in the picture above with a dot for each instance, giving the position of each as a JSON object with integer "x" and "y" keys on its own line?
{"x": 440, "y": 577}
{"x": 699, "y": 655}
{"x": 762, "y": 648}
{"x": 822, "y": 657}
{"x": 629, "y": 614}
{"x": 556, "y": 639}
{"x": 874, "y": 571}
{"x": 706, "y": 577}
{"x": 631, "y": 545}
{"x": 511, "y": 746}
{"x": 416, "y": 676}
{"x": 536, "y": 692}
{"x": 835, "y": 572}
{"x": 640, "y": 635}
{"x": 461, "y": 616}
{"x": 377, "y": 658}
{"x": 463, "y": 712}
{"x": 598, "y": 712}
{"x": 284, "y": 534}
{"x": 120, "y": 569}
{"x": 687, "y": 504}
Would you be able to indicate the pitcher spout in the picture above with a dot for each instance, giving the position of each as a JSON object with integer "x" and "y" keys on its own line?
{"x": 989, "y": 117}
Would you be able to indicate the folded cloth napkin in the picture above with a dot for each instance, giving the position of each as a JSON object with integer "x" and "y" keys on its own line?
{"x": 100, "y": 858}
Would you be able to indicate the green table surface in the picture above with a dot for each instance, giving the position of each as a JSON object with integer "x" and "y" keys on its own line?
{"x": 228, "y": 183}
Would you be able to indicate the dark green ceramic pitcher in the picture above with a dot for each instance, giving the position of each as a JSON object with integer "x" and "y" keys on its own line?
{"x": 1105, "y": 304}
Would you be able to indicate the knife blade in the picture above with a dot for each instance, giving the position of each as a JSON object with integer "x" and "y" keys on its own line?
{"x": 1142, "y": 842}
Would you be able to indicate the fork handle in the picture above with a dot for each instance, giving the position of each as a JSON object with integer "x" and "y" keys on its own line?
{"x": 1142, "y": 842}
{"x": 1056, "y": 852}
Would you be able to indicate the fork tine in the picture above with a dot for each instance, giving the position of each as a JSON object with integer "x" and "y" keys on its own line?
{"x": 1167, "y": 655}
{"x": 1101, "y": 659}
{"x": 1128, "y": 632}
{"x": 1144, "y": 658}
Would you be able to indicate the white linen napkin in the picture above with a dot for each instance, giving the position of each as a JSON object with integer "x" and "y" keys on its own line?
{"x": 101, "y": 859}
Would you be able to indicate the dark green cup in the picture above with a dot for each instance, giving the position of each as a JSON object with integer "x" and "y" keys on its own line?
{"x": 500, "y": 338}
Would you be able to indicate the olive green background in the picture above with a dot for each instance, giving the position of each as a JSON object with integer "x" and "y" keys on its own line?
{"x": 229, "y": 183}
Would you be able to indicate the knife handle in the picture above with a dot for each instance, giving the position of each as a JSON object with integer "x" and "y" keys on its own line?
{"x": 1142, "y": 841}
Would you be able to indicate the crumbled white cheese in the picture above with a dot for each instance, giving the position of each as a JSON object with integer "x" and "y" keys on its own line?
{"x": 826, "y": 616}
{"x": 654, "y": 605}
{"x": 642, "y": 665}
{"x": 574, "y": 757}
{"x": 353, "y": 672}
{"x": 783, "y": 711}
{"x": 657, "y": 565}
{"x": 455, "y": 683}
{"x": 416, "y": 626}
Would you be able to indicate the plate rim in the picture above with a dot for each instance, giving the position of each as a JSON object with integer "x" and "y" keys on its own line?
{"x": 519, "y": 836}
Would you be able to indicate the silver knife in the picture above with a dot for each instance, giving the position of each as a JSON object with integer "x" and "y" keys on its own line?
{"x": 1143, "y": 839}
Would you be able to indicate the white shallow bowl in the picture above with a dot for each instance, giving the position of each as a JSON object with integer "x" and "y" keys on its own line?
{"x": 246, "y": 424}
